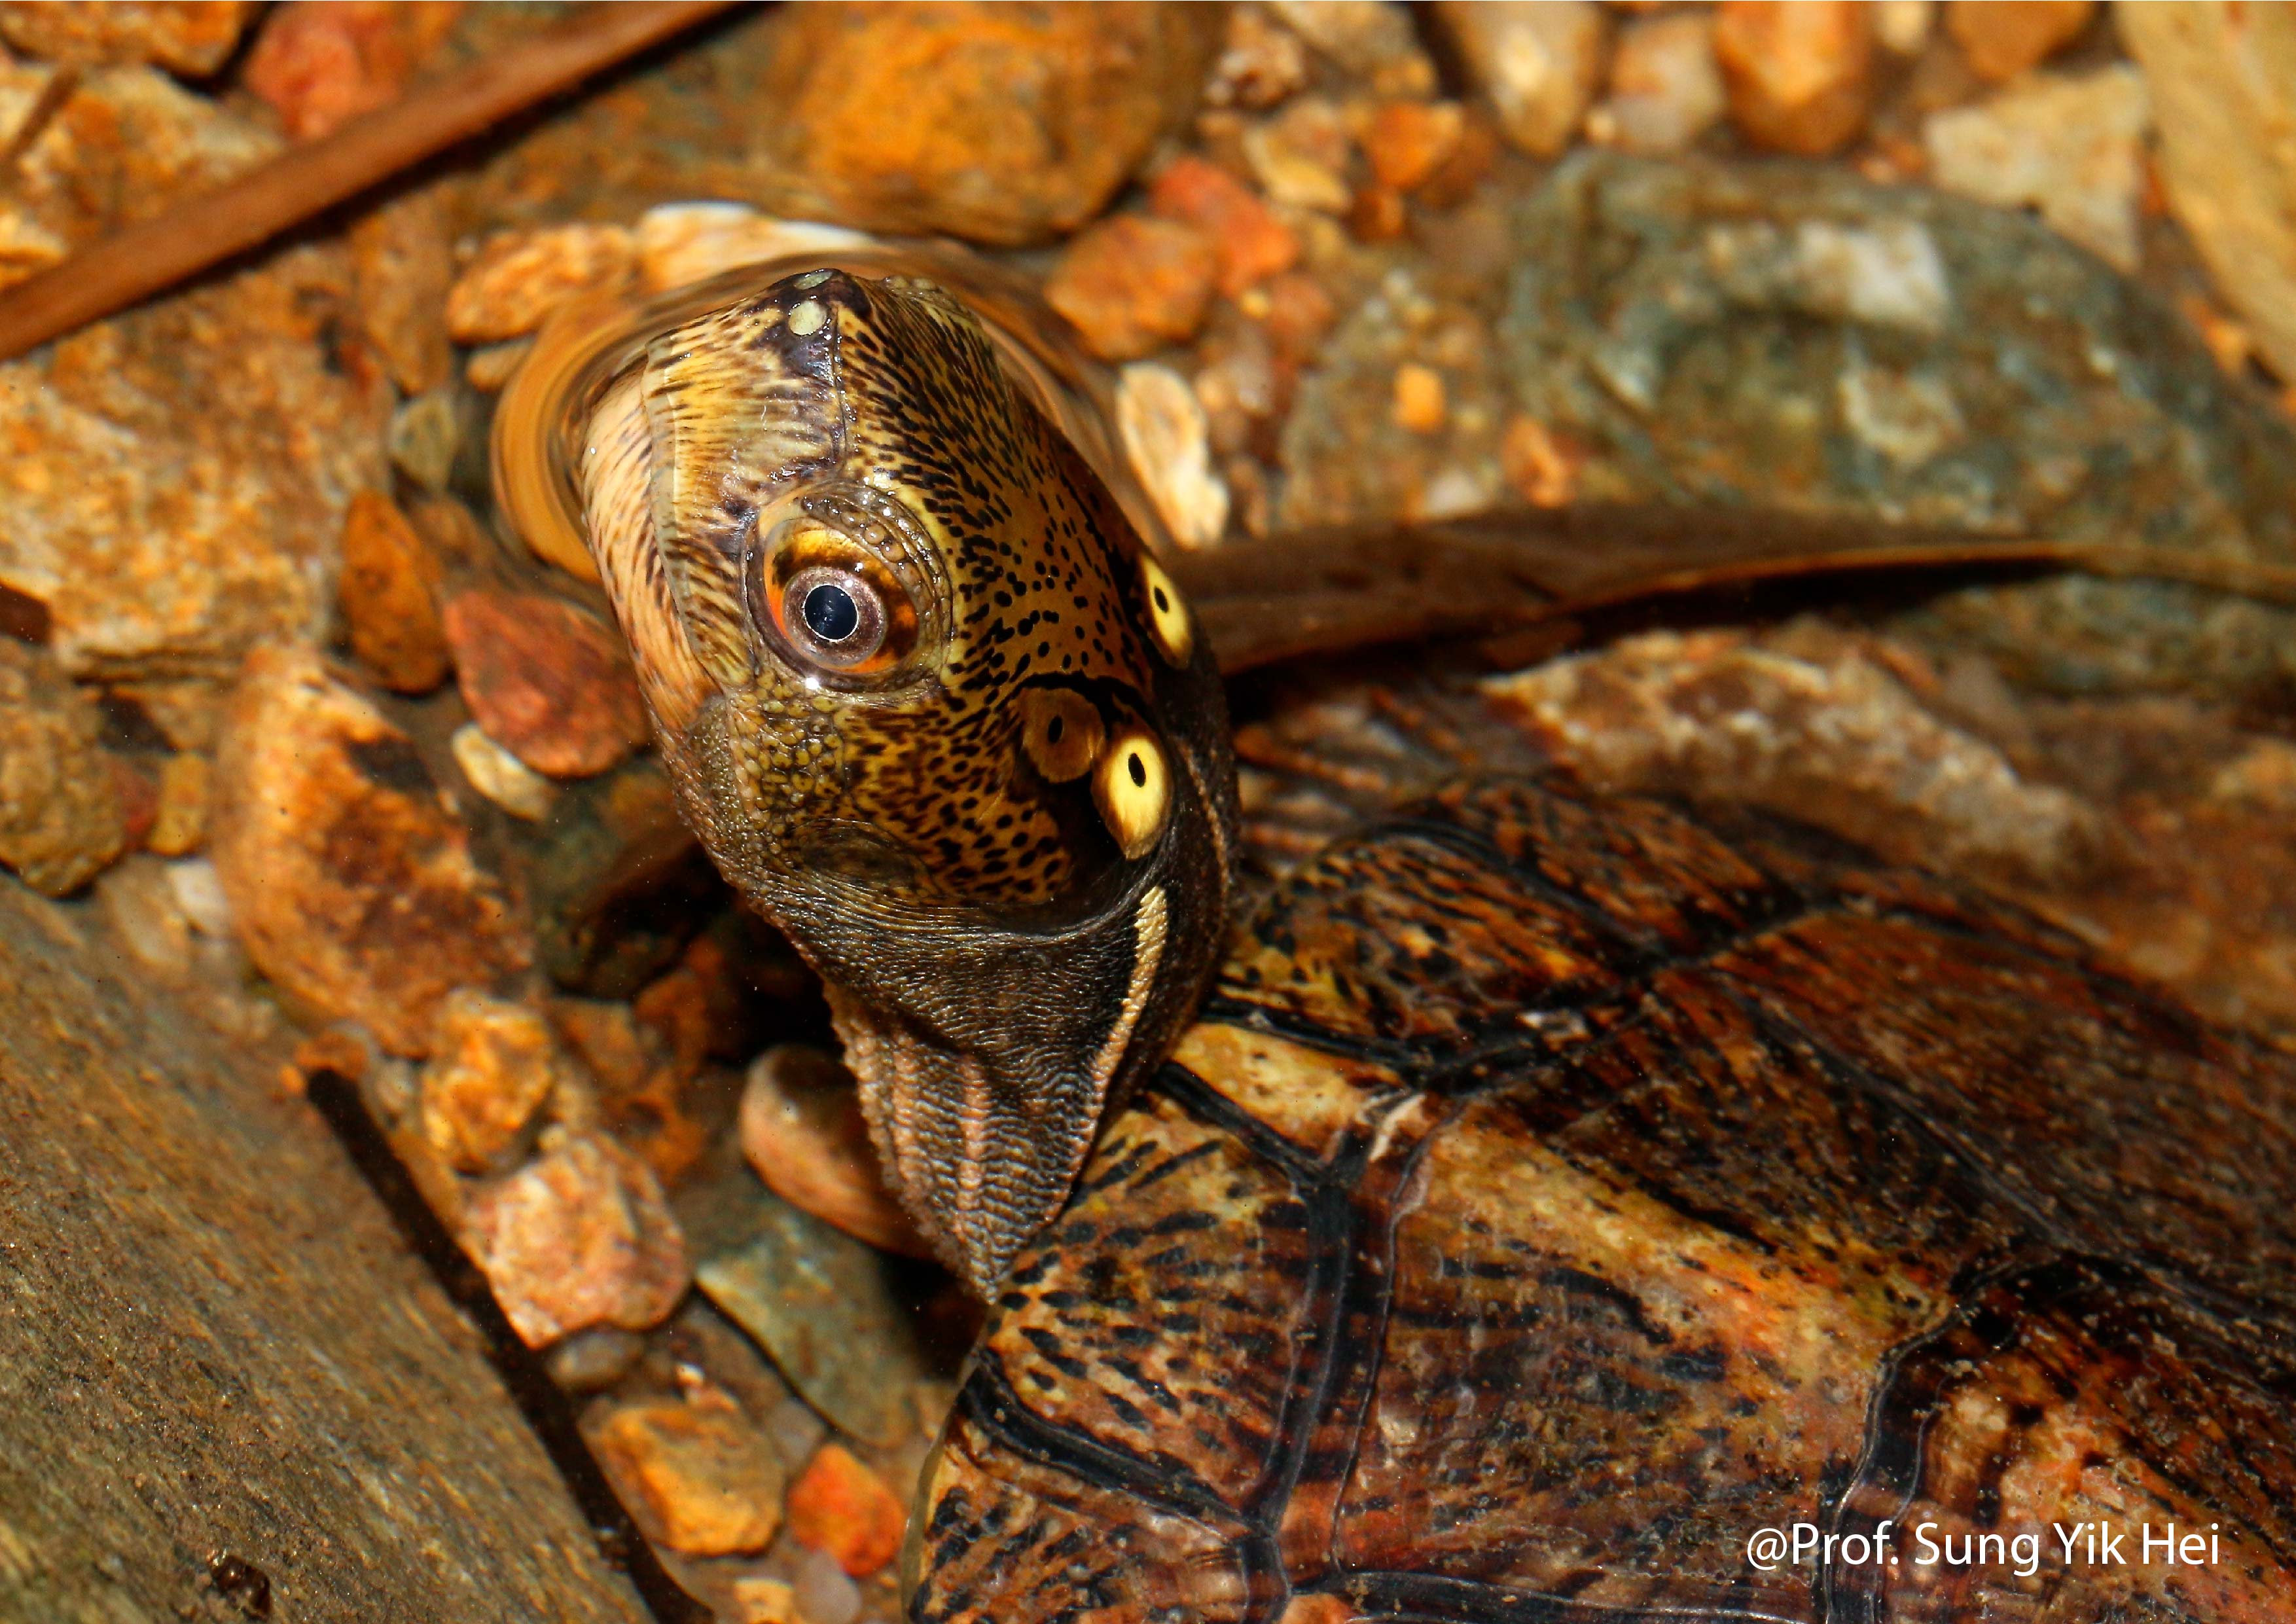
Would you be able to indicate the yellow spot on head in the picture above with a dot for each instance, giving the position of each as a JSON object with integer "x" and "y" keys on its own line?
{"x": 1133, "y": 788}
{"x": 806, "y": 319}
{"x": 1061, "y": 732}
{"x": 1167, "y": 613}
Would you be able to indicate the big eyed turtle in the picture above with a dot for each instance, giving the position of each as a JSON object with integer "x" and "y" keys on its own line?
{"x": 1539, "y": 1207}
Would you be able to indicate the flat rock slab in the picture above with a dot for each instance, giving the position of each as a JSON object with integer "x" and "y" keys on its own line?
{"x": 225, "y": 1390}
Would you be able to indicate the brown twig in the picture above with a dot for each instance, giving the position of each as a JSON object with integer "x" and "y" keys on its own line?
{"x": 301, "y": 182}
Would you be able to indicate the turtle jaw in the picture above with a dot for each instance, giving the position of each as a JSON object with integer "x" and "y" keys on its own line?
{"x": 981, "y": 1164}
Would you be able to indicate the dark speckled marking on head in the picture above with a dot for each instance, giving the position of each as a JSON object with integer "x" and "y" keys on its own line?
{"x": 994, "y": 808}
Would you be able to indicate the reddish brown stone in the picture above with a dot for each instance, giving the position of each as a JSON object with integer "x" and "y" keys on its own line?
{"x": 803, "y": 1132}
{"x": 1300, "y": 314}
{"x": 389, "y": 596}
{"x": 1133, "y": 284}
{"x": 320, "y": 66}
{"x": 1377, "y": 215}
{"x": 1005, "y": 124}
{"x": 545, "y": 681}
{"x": 1800, "y": 73}
{"x": 2002, "y": 38}
{"x": 696, "y": 1474}
{"x": 189, "y": 37}
{"x": 1252, "y": 244}
{"x": 353, "y": 887}
{"x": 577, "y": 1237}
{"x": 839, "y": 1506}
{"x": 137, "y": 792}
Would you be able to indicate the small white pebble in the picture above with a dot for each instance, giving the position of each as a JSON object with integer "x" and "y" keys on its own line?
{"x": 825, "y": 1594}
{"x": 199, "y": 892}
{"x": 500, "y": 777}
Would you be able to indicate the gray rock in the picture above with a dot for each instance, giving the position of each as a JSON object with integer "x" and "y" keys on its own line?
{"x": 220, "y": 1373}
{"x": 1774, "y": 334}
{"x": 824, "y": 1306}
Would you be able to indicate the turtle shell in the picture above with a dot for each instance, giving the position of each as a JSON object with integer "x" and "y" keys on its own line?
{"x": 1560, "y": 1191}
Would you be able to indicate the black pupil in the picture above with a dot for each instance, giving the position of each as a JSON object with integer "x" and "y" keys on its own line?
{"x": 831, "y": 613}
{"x": 1162, "y": 603}
{"x": 1053, "y": 730}
{"x": 1139, "y": 772}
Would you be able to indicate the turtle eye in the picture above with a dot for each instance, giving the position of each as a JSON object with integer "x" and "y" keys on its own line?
{"x": 1133, "y": 790}
{"x": 839, "y": 592}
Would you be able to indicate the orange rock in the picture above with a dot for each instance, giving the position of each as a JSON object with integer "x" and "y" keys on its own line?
{"x": 492, "y": 1067}
{"x": 1133, "y": 284}
{"x": 579, "y": 1237}
{"x": 839, "y": 1506}
{"x": 402, "y": 265}
{"x": 179, "y": 825}
{"x": 677, "y": 1005}
{"x": 1004, "y": 124}
{"x": 1419, "y": 404}
{"x": 1541, "y": 463}
{"x": 1408, "y": 140}
{"x": 322, "y": 65}
{"x": 188, "y": 36}
{"x": 1252, "y": 244}
{"x": 545, "y": 681}
{"x": 696, "y": 1475}
{"x": 387, "y": 591}
{"x": 1800, "y": 73}
{"x": 2002, "y": 38}
{"x": 644, "y": 1094}
{"x": 605, "y": 1035}
{"x": 520, "y": 278}
{"x": 802, "y": 1130}
{"x": 353, "y": 890}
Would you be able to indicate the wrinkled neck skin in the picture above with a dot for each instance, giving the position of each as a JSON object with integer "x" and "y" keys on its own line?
{"x": 933, "y": 709}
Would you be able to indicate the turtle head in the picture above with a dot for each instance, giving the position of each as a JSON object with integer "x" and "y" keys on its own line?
{"x": 934, "y": 709}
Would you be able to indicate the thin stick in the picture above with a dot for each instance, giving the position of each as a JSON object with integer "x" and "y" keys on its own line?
{"x": 306, "y": 179}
